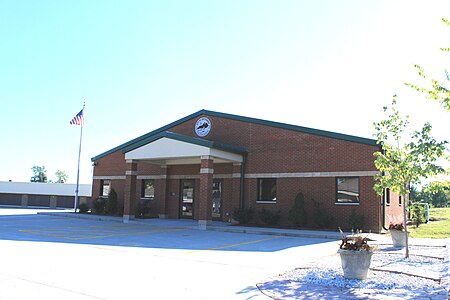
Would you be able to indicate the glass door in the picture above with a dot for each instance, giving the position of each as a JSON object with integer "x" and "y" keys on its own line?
{"x": 187, "y": 198}
{"x": 217, "y": 199}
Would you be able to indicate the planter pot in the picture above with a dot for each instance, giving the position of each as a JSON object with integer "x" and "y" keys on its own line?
{"x": 398, "y": 238}
{"x": 355, "y": 264}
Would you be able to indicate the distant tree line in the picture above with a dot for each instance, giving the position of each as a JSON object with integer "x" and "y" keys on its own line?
{"x": 436, "y": 194}
{"x": 40, "y": 175}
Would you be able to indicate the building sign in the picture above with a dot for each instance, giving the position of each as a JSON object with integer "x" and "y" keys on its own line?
{"x": 202, "y": 126}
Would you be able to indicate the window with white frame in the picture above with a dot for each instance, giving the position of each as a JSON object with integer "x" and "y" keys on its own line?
{"x": 347, "y": 190}
{"x": 105, "y": 186}
{"x": 267, "y": 189}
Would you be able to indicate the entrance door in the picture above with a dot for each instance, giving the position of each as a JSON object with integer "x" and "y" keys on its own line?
{"x": 217, "y": 199}
{"x": 187, "y": 198}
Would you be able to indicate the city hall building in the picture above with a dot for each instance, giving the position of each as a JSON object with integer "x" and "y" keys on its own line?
{"x": 208, "y": 164}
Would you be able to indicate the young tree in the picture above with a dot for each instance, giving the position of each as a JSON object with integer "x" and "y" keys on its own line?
{"x": 435, "y": 89}
{"x": 404, "y": 163}
{"x": 61, "y": 176}
{"x": 39, "y": 174}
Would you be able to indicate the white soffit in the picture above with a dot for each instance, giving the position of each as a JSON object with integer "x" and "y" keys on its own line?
{"x": 170, "y": 149}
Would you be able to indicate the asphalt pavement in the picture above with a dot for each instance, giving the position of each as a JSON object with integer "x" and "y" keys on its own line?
{"x": 56, "y": 257}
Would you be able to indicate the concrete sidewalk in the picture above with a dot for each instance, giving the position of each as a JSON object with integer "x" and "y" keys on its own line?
{"x": 214, "y": 226}
{"x": 228, "y": 227}
{"x": 244, "y": 264}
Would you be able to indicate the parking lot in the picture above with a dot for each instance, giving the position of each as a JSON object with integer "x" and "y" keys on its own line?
{"x": 52, "y": 257}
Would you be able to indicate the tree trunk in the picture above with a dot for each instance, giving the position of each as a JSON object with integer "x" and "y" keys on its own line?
{"x": 405, "y": 210}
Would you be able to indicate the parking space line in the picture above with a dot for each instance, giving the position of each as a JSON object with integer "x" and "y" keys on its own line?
{"x": 79, "y": 236}
{"x": 233, "y": 245}
{"x": 23, "y": 218}
{"x": 124, "y": 234}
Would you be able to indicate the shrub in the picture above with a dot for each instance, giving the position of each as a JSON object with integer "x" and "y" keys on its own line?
{"x": 120, "y": 210}
{"x": 418, "y": 214}
{"x": 111, "y": 204}
{"x": 356, "y": 221}
{"x": 321, "y": 217}
{"x": 297, "y": 214}
{"x": 142, "y": 209}
{"x": 83, "y": 208}
{"x": 269, "y": 217}
{"x": 98, "y": 206}
{"x": 243, "y": 215}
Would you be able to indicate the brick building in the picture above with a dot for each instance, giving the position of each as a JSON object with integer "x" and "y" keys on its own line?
{"x": 208, "y": 164}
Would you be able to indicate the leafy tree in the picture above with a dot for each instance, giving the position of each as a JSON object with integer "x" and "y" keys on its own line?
{"x": 39, "y": 174}
{"x": 61, "y": 176}
{"x": 401, "y": 165}
{"x": 434, "y": 193}
{"x": 435, "y": 90}
{"x": 440, "y": 193}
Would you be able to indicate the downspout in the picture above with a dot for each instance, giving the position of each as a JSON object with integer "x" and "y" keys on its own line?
{"x": 385, "y": 195}
{"x": 241, "y": 194}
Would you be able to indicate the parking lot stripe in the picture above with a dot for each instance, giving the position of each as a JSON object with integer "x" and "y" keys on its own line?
{"x": 233, "y": 245}
{"x": 79, "y": 236}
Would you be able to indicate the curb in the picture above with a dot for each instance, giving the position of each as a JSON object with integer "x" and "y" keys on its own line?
{"x": 82, "y": 216}
{"x": 231, "y": 229}
{"x": 277, "y": 233}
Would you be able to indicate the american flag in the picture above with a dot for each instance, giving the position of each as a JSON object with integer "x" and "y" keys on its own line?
{"x": 78, "y": 119}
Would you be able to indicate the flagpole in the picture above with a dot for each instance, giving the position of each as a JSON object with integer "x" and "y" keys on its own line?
{"x": 78, "y": 169}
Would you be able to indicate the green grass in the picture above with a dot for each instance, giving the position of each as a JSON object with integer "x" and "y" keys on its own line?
{"x": 435, "y": 229}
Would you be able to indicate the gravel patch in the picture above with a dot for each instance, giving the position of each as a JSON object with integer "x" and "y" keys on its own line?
{"x": 333, "y": 275}
{"x": 424, "y": 275}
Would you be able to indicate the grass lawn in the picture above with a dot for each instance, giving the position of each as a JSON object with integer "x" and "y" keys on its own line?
{"x": 435, "y": 229}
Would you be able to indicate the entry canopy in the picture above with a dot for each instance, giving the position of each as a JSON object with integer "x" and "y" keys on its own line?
{"x": 172, "y": 149}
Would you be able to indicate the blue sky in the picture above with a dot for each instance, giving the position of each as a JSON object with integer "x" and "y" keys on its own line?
{"x": 139, "y": 65}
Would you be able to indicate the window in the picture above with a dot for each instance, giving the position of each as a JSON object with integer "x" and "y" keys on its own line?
{"x": 400, "y": 200}
{"x": 148, "y": 189}
{"x": 267, "y": 189}
{"x": 347, "y": 190}
{"x": 105, "y": 186}
{"x": 388, "y": 197}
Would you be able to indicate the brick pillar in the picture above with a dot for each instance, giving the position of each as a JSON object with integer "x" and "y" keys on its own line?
{"x": 236, "y": 186}
{"x": 129, "y": 200}
{"x": 205, "y": 192}
{"x": 162, "y": 193}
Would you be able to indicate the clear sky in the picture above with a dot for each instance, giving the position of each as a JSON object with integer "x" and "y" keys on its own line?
{"x": 139, "y": 65}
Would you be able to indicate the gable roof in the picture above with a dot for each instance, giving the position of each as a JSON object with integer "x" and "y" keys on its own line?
{"x": 187, "y": 139}
{"x": 148, "y": 137}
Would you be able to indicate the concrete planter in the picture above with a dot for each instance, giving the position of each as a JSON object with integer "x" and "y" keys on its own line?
{"x": 355, "y": 264}
{"x": 398, "y": 238}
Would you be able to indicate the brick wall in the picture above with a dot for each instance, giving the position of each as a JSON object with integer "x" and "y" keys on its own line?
{"x": 394, "y": 211}
{"x": 113, "y": 165}
{"x": 279, "y": 150}
{"x": 270, "y": 150}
